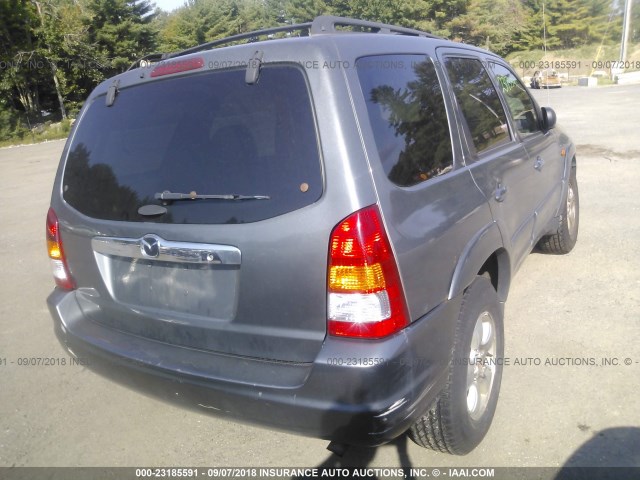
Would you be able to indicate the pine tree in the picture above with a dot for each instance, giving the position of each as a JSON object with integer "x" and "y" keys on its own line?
{"x": 22, "y": 68}
{"x": 491, "y": 24}
{"x": 121, "y": 30}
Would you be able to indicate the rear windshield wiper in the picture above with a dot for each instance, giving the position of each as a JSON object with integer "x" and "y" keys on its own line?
{"x": 172, "y": 196}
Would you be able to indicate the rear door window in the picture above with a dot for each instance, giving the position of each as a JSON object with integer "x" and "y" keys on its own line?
{"x": 408, "y": 116}
{"x": 483, "y": 114}
{"x": 208, "y": 133}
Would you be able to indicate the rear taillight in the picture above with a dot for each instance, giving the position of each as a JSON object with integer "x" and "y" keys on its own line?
{"x": 365, "y": 294}
{"x": 56, "y": 253}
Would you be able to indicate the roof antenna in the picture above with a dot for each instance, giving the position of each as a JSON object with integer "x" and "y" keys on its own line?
{"x": 253, "y": 68}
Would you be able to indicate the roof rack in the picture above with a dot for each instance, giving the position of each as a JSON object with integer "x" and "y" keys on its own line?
{"x": 328, "y": 24}
{"x": 322, "y": 25}
{"x": 251, "y": 36}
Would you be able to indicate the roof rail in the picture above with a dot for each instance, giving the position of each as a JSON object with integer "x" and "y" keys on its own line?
{"x": 251, "y": 36}
{"x": 322, "y": 25}
{"x": 328, "y": 24}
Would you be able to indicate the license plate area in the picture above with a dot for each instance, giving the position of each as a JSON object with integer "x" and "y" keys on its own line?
{"x": 185, "y": 278}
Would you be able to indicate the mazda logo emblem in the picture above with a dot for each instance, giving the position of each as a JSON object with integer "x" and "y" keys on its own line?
{"x": 150, "y": 246}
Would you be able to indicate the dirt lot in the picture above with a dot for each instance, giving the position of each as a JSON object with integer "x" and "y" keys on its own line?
{"x": 562, "y": 309}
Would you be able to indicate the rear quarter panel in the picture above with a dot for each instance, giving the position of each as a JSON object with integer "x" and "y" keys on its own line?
{"x": 430, "y": 224}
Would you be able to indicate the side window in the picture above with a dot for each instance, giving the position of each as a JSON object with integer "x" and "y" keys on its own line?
{"x": 518, "y": 100}
{"x": 479, "y": 102}
{"x": 408, "y": 117}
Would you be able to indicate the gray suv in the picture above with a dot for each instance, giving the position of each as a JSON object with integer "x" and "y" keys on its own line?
{"x": 312, "y": 228}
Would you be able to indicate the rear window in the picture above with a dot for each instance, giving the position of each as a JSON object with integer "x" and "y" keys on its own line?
{"x": 209, "y": 133}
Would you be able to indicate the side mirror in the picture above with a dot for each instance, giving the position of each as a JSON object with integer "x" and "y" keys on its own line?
{"x": 548, "y": 118}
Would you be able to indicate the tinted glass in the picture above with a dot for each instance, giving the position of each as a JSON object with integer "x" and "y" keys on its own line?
{"x": 486, "y": 121}
{"x": 408, "y": 116}
{"x": 208, "y": 133}
{"x": 518, "y": 100}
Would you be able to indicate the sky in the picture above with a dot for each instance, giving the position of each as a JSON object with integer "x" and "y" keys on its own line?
{"x": 168, "y": 5}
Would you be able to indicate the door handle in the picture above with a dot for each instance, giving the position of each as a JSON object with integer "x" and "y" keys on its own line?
{"x": 500, "y": 192}
{"x": 539, "y": 163}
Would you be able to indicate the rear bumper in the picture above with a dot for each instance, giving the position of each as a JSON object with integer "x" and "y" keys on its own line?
{"x": 355, "y": 392}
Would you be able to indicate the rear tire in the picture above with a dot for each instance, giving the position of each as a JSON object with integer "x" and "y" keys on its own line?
{"x": 461, "y": 415}
{"x": 566, "y": 235}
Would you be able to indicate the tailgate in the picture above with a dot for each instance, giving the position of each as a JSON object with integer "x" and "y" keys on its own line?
{"x": 234, "y": 261}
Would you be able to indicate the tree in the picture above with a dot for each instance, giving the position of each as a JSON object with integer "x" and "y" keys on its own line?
{"x": 298, "y": 11}
{"x": 492, "y": 24}
{"x": 21, "y": 69}
{"x": 233, "y": 17}
{"x": 201, "y": 21}
{"x": 569, "y": 23}
{"x": 54, "y": 52}
{"x": 81, "y": 65}
{"x": 121, "y": 30}
{"x": 50, "y": 47}
{"x": 185, "y": 27}
{"x": 429, "y": 15}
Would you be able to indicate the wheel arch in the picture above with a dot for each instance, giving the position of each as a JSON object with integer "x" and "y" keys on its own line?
{"x": 484, "y": 253}
{"x": 570, "y": 162}
{"x": 571, "y": 165}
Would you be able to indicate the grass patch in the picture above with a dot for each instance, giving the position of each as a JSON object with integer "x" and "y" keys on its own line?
{"x": 41, "y": 133}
